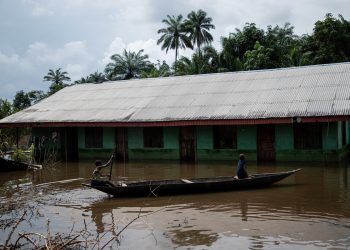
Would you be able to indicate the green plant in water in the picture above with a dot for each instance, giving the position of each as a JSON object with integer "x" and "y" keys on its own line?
{"x": 22, "y": 155}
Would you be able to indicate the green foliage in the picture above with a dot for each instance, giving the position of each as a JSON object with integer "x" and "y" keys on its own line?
{"x": 128, "y": 65}
{"x": 331, "y": 40}
{"x": 157, "y": 70}
{"x": 5, "y": 108}
{"x": 21, "y": 101}
{"x": 258, "y": 58}
{"x": 201, "y": 63}
{"x": 95, "y": 77}
{"x": 237, "y": 43}
{"x": 22, "y": 155}
{"x": 174, "y": 36}
{"x": 35, "y": 96}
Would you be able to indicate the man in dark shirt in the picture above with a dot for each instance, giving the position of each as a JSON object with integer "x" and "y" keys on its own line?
{"x": 241, "y": 167}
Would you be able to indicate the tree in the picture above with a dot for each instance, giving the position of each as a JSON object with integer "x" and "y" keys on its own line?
{"x": 36, "y": 96}
{"x": 237, "y": 44}
{"x": 259, "y": 58}
{"x": 82, "y": 80}
{"x": 174, "y": 35}
{"x": 21, "y": 101}
{"x": 57, "y": 79}
{"x": 126, "y": 66}
{"x": 157, "y": 70}
{"x": 5, "y": 108}
{"x": 198, "y": 26}
{"x": 96, "y": 77}
{"x": 184, "y": 66}
{"x": 284, "y": 45}
{"x": 330, "y": 40}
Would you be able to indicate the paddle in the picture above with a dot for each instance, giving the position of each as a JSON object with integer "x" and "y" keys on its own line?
{"x": 110, "y": 170}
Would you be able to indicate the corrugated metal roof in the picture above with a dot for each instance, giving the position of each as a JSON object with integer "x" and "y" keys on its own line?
{"x": 313, "y": 91}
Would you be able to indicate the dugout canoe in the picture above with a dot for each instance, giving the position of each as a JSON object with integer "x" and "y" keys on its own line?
{"x": 10, "y": 165}
{"x": 186, "y": 186}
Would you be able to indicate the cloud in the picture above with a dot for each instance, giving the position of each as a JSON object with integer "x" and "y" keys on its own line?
{"x": 34, "y": 63}
{"x": 41, "y": 12}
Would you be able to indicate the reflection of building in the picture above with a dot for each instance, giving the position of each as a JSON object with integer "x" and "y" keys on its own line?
{"x": 295, "y": 114}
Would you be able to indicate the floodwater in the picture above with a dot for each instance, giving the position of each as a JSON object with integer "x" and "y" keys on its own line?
{"x": 310, "y": 210}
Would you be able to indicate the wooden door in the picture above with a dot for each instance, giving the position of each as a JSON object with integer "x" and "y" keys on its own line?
{"x": 266, "y": 143}
{"x": 71, "y": 141}
{"x": 121, "y": 145}
{"x": 188, "y": 144}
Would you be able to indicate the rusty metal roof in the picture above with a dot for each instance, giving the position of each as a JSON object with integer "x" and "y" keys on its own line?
{"x": 311, "y": 91}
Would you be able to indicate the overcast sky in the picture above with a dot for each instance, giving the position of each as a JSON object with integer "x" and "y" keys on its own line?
{"x": 80, "y": 35}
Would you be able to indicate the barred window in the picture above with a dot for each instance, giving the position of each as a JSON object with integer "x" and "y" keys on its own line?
{"x": 308, "y": 136}
{"x": 93, "y": 138}
{"x": 153, "y": 137}
{"x": 225, "y": 137}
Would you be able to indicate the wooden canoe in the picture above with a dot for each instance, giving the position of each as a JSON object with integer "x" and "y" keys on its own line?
{"x": 10, "y": 165}
{"x": 186, "y": 186}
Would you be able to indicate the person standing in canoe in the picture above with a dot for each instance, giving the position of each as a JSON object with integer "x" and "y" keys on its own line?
{"x": 97, "y": 174}
{"x": 241, "y": 167}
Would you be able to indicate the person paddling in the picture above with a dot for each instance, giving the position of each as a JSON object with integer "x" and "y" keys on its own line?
{"x": 97, "y": 173}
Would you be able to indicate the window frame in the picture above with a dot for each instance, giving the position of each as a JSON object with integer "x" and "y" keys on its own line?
{"x": 153, "y": 137}
{"x": 220, "y": 140}
{"x": 93, "y": 137}
{"x": 307, "y": 136}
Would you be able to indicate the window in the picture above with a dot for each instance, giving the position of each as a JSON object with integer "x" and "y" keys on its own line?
{"x": 93, "y": 137}
{"x": 225, "y": 137}
{"x": 308, "y": 136}
{"x": 153, "y": 137}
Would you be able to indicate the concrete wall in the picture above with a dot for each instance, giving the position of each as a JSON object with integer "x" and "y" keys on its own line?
{"x": 246, "y": 143}
{"x": 170, "y": 150}
{"x": 108, "y": 143}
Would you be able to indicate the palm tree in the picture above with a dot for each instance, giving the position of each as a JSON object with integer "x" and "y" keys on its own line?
{"x": 198, "y": 26}
{"x": 96, "y": 77}
{"x": 57, "y": 79}
{"x": 174, "y": 35}
{"x": 127, "y": 66}
{"x": 82, "y": 80}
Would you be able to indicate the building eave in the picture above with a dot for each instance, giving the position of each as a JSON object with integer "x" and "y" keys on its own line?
{"x": 282, "y": 120}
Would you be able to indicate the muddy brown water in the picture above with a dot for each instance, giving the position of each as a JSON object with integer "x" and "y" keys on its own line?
{"x": 310, "y": 210}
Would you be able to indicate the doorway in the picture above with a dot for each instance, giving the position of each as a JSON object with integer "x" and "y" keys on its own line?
{"x": 71, "y": 144}
{"x": 188, "y": 144}
{"x": 121, "y": 152}
{"x": 266, "y": 142}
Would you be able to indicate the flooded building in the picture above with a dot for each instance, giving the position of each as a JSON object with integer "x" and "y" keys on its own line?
{"x": 290, "y": 114}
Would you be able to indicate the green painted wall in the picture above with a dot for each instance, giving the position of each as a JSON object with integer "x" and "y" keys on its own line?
{"x": 284, "y": 137}
{"x": 108, "y": 143}
{"x": 135, "y": 138}
{"x": 169, "y": 151}
{"x": 330, "y": 136}
{"x": 247, "y": 141}
{"x": 204, "y": 137}
{"x": 109, "y": 138}
{"x": 205, "y": 146}
{"x": 285, "y": 144}
{"x": 246, "y": 137}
